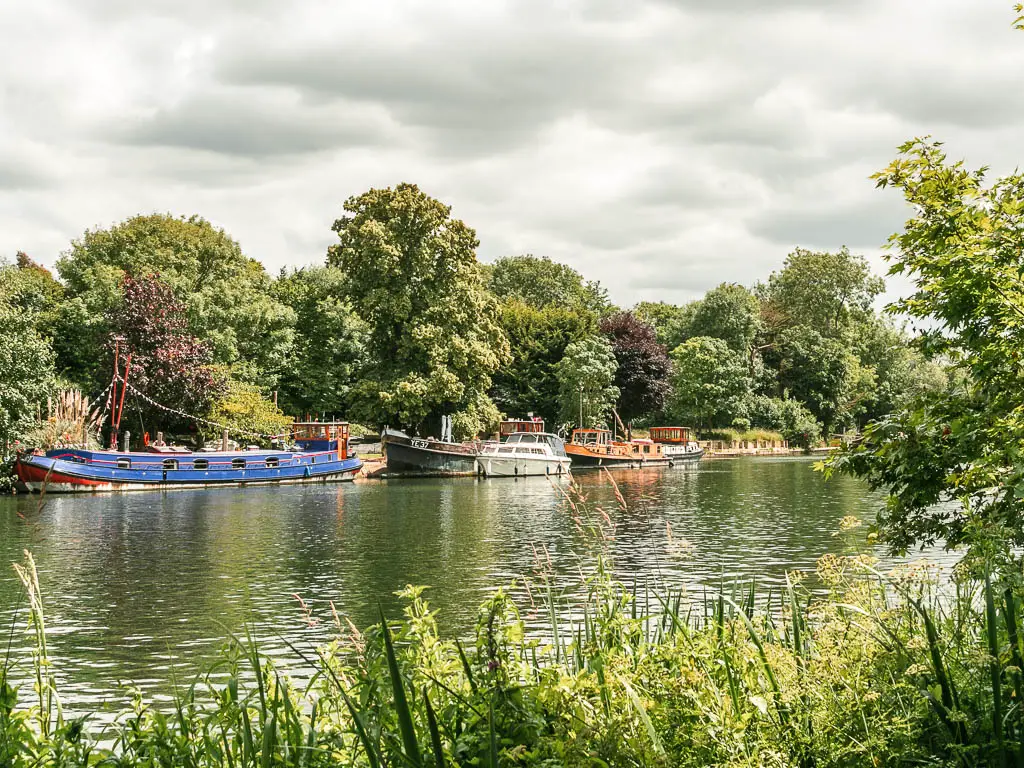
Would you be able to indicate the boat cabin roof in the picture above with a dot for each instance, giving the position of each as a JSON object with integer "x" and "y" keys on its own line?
{"x": 670, "y": 434}
{"x": 319, "y": 430}
{"x": 511, "y": 426}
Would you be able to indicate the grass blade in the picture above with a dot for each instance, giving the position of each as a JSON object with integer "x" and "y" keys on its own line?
{"x": 405, "y": 722}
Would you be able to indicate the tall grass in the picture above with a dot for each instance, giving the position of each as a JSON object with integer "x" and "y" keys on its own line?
{"x": 885, "y": 669}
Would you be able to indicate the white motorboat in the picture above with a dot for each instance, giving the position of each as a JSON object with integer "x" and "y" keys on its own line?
{"x": 523, "y": 454}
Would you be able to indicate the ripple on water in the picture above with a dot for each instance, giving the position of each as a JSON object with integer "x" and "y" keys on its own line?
{"x": 141, "y": 590}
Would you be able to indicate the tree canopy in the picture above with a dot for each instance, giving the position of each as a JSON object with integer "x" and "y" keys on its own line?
{"x": 226, "y": 294}
{"x": 710, "y": 382}
{"x": 537, "y": 339}
{"x": 729, "y": 312}
{"x": 586, "y": 376}
{"x": 26, "y": 365}
{"x": 949, "y": 460}
{"x": 541, "y": 283}
{"x": 822, "y": 290}
{"x": 643, "y": 366}
{"x": 412, "y": 276}
{"x": 330, "y": 340}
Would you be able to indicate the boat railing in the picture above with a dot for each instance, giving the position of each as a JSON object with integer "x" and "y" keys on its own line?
{"x": 156, "y": 461}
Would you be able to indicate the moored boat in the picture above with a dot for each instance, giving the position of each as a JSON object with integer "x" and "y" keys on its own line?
{"x": 321, "y": 454}
{"x": 523, "y": 454}
{"x": 427, "y": 456}
{"x": 598, "y": 448}
{"x": 676, "y": 443}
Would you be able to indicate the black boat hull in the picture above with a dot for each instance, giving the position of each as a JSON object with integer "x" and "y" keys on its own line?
{"x": 427, "y": 457}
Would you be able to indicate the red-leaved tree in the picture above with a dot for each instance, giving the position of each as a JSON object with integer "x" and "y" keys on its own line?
{"x": 642, "y": 375}
{"x": 169, "y": 364}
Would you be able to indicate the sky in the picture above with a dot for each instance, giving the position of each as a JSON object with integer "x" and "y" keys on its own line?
{"x": 659, "y": 146}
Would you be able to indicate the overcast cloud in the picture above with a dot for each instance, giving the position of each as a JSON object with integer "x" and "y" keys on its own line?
{"x": 660, "y": 146}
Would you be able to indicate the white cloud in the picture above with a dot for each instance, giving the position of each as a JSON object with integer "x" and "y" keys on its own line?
{"x": 661, "y": 147}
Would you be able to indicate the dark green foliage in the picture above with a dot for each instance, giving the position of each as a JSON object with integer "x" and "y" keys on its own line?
{"x": 537, "y": 340}
{"x": 817, "y": 371}
{"x": 329, "y": 345}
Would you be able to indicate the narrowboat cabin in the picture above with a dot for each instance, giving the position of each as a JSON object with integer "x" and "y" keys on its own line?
{"x": 676, "y": 443}
{"x": 321, "y": 454}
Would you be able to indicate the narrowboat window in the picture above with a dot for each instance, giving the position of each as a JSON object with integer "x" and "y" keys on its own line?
{"x": 170, "y": 463}
{"x": 238, "y": 463}
{"x": 273, "y": 461}
{"x": 124, "y": 463}
{"x": 200, "y": 464}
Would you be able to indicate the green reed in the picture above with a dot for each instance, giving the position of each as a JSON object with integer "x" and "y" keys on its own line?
{"x": 881, "y": 669}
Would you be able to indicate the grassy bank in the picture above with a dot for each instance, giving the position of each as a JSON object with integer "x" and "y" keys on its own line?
{"x": 877, "y": 670}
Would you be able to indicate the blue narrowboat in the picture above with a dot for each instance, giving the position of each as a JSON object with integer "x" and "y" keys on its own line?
{"x": 321, "y": 454}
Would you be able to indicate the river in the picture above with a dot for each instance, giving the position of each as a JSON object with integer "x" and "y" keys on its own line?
{"x": 142, "y": 589}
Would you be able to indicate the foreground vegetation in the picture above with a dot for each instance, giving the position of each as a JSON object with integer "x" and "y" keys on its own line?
{"x": 875, "y": 671}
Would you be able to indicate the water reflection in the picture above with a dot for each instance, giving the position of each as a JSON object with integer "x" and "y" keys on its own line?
{"x": 141, "y": 589}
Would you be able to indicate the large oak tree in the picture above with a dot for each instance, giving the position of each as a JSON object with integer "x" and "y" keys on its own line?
{"x": 412, "y": 275}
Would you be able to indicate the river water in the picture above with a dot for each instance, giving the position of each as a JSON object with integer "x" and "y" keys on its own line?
{"x": 142, "y": 589}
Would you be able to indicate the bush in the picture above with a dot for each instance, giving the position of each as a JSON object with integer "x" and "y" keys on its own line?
{"x": 787, "y": 416}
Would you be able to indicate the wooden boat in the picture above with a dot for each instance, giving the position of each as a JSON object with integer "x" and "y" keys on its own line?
{"x": 676, "y": 444}
{"x": 427, "y": 456}
{"x": 523, "y": 454}
{"x": 598, "y": 448}
{"x": 321, "y": 455}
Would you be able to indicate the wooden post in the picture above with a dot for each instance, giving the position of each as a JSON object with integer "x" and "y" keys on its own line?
{"x": 275, "y": 398}
{"x": 224, "y": 440}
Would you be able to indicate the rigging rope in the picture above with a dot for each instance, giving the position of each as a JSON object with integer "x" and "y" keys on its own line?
{"x": 200, "y": 419}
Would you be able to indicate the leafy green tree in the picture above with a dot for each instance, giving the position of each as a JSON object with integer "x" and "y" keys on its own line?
{"x": 537, "y": 339}
{"x": 330, "y": 341}
{"x": 642, "y": 370}
{"x": 542, "y": 283}
{"x": 412, "y": 275}
{"x": 821, "y": 290}
{"x": 821, "y": 373}
{"x": 729, "y": 312}
{"x": 950, "y": 460}
{"x": 710, "y": 382}
{"x": 30, "y": 288}
{"x": 26, "y": 372}
{"x": 671, "y": 321}
{"x": 227, "y": 294}
{"x": 247, "y": 411}
{"x": 586, "y": 376}
{"x": 786, "y": 416}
